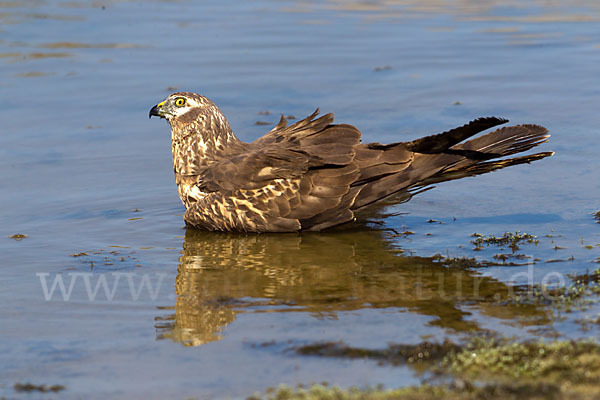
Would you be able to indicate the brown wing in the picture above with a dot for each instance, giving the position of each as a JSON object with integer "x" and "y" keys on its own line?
{"x": 296, "y": 177}
{"x": 307, "y": 126}
{"x": 253, "y": 169}
{"x": 285, "y": 152}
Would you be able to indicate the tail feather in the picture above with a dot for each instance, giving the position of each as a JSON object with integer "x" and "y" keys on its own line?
{"x": 499, "y": 143}
{"x": 439, "y": 143}
{"x": 480, "y": 168}
{"x": 440, "y": 158}
{"x": 508, "y": 140}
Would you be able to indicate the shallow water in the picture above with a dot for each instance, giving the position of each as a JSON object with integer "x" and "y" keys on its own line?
{"x": 82, "y": 170}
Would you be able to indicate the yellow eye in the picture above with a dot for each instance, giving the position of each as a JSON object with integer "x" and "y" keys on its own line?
{"x": 180, "y": 102}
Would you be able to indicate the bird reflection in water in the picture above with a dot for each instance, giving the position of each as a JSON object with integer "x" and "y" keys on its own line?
{"x": 221, "y": 275}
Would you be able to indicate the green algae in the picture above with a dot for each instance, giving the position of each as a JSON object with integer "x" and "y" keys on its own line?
{"x": 461, "y": 390}
{"x": 582, "y": 291}
{"x": 324, "y": 392}
{"x": 473, "y": 263}
{"x": 483, "y": 368}
{"x": 512, "y": 240}
{"x": 503, "y": 360}
{"x": 572, "y": 368}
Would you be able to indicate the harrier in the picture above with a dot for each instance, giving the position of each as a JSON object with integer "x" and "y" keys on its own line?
{"x": 315, "y": 174}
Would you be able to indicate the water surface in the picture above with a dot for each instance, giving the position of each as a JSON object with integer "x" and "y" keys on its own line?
{"x": 82, "y": 170}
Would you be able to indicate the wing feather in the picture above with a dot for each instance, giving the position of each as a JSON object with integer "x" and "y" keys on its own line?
{"x": 299, "y": 172}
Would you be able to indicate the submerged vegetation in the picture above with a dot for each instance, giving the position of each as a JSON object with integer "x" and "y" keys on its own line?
{"x": 582, "y": 291}
{"x": 395, "y": 354}
{"x": 324, "y": 392}
{"x": 30, "y": 387}
{"x": 512, "y": 240}
{"x": 504, "y": 361}
{"x": 484, "y": 368}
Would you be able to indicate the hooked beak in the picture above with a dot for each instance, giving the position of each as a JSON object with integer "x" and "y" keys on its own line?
{"x": 157, "y": 110}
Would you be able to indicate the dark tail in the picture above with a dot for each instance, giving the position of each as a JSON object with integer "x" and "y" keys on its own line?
{"x": 500, "y": 143}
{"x": 441, "y": 158}
{"x": 441, "y": 142}
{"x": 482, "y": 168}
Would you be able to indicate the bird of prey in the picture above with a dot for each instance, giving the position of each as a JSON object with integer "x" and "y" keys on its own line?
{"x": 315, "y": 174}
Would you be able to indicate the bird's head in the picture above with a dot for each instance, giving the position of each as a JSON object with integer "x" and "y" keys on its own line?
{"x": 194, "y": 116}
{"x": 177, "y": 105}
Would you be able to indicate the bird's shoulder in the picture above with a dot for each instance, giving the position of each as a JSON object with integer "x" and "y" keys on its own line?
{"x": 311, "y": 130}
{"x": 286, "y": 152}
